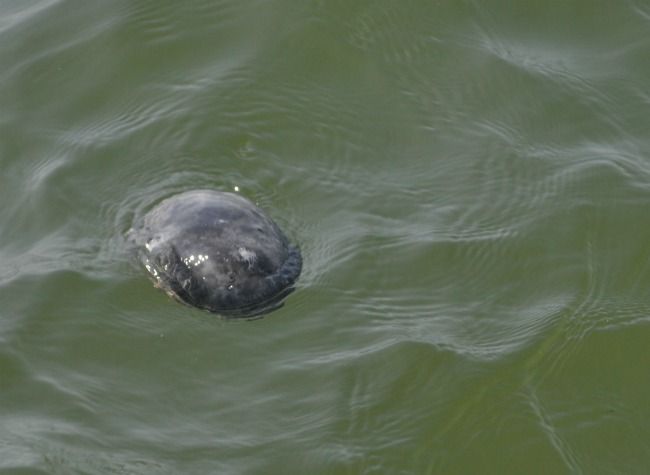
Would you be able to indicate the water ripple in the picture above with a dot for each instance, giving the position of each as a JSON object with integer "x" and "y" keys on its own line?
{"x": 14, "y": 17}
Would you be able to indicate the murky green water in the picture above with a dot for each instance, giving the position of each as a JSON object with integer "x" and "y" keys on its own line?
{"x": 469, "y": 183}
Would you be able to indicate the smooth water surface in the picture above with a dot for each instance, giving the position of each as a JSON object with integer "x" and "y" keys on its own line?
{"x": 469, "y": 183}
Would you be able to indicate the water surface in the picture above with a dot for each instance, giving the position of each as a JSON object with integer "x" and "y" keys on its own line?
{"x": 468, "y": 182}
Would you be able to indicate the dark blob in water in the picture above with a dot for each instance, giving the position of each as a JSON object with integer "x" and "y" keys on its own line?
{"x": 219, "y": 252}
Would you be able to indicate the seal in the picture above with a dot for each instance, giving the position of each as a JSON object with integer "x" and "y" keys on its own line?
{"x": 219, "y": 252}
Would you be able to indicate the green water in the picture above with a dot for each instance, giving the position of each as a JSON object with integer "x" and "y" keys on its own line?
{"x": 469, "y": 183}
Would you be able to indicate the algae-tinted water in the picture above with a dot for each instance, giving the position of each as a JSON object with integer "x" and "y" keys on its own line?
{"x": 469, "y": 183}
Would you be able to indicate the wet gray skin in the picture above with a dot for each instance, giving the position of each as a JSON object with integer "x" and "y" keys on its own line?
{"x": 219, "y": 252}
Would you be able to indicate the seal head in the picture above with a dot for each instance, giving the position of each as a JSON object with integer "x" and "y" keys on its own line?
{"x": 219, "y": 252}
